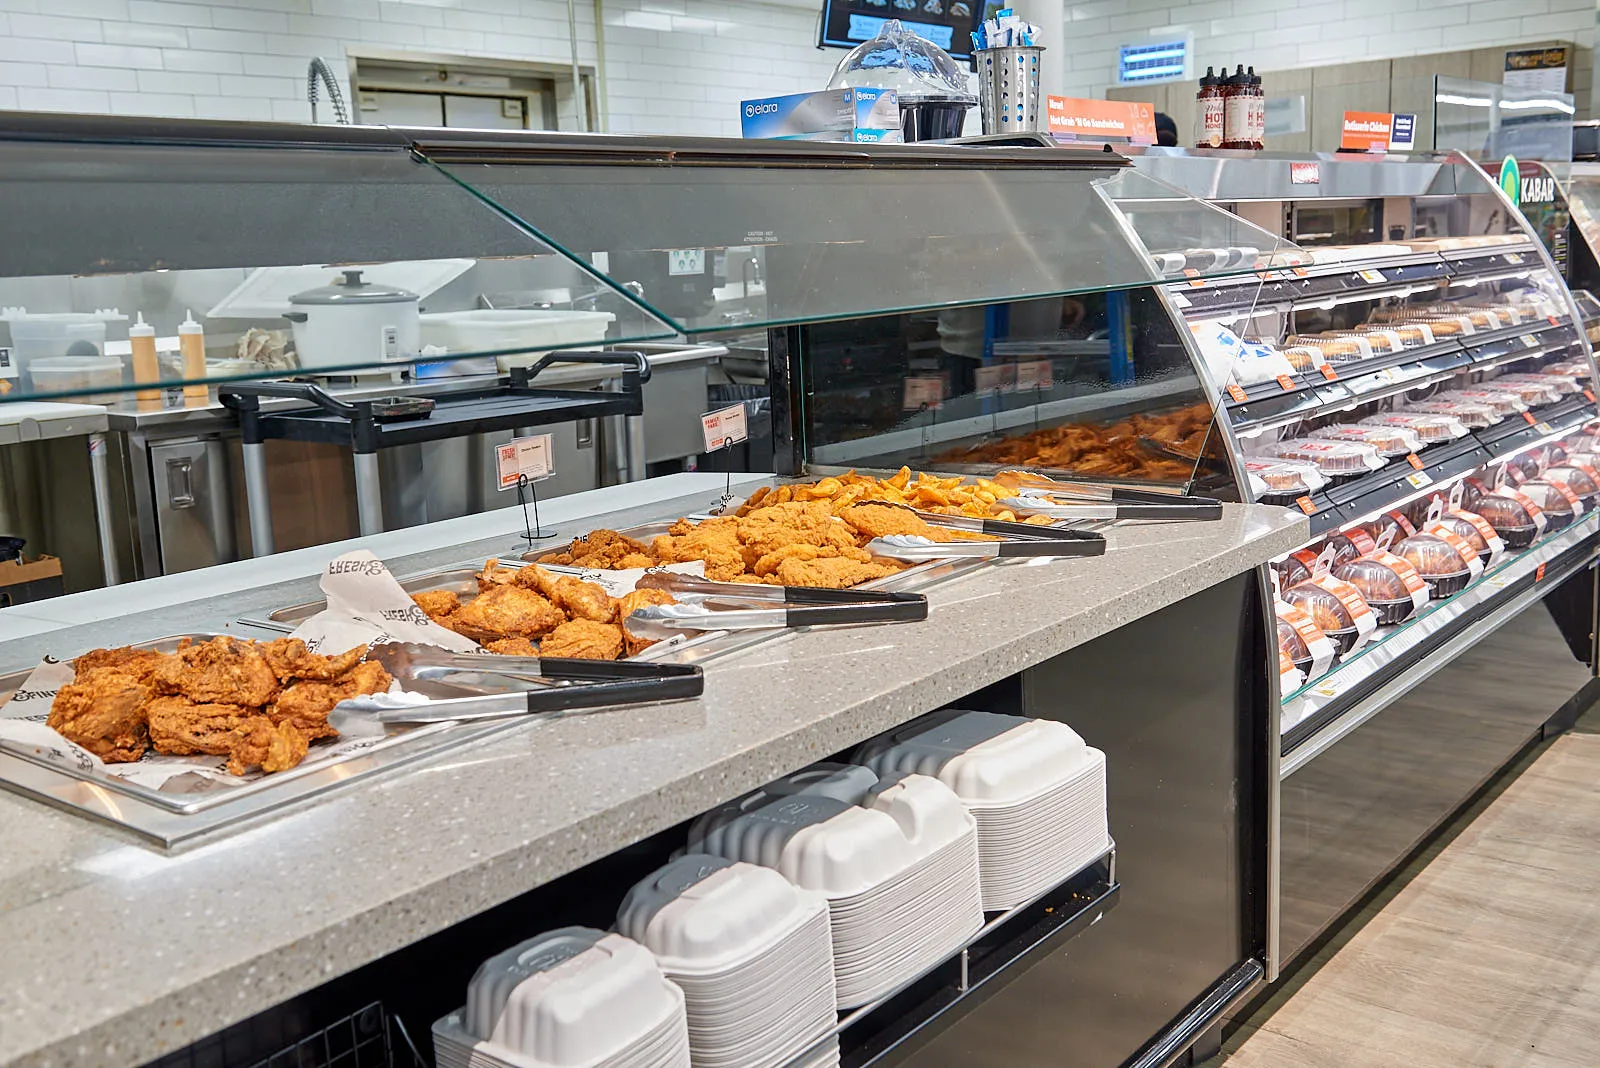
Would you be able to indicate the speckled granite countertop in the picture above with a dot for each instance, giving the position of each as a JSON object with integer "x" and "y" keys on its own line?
{"x": 112, "y": 952}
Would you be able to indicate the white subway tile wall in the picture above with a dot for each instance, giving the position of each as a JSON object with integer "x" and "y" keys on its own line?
{"x": 674, "y": 66}
{"x": 1282, "y": 34}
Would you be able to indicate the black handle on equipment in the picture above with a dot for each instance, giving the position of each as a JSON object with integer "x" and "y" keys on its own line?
{"x": 615, "y": 682}
{"x": 231, "y": 394}
{"x": 635, "y": 362}
{"x": 884, "y": 608}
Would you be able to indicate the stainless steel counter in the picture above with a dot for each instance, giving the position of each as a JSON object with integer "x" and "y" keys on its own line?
{"x": 115, "y": 953}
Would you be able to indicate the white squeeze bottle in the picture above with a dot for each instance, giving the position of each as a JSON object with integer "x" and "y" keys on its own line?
{"x": 192, "y": 346}
{"x": 146, "y": 368}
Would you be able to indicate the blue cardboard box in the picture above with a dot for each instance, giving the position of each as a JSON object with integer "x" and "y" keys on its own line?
{"x": 842, "y": 110}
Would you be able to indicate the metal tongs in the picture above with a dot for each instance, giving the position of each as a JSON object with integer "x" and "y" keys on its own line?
{"x": 1090, "y": 500}
{"x": 707, "y": 605}
{"x": 1012, "y": 540}
{"x": 462, "y": 686}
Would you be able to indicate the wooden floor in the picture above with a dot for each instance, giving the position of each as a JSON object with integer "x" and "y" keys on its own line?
{"x": 1489, "y": 957}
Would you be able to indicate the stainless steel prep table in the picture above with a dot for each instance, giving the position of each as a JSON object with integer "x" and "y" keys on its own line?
{"x": 117, "y": 954}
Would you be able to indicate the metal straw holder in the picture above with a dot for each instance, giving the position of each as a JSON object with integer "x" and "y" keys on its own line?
{"x": 1008, "y": 89}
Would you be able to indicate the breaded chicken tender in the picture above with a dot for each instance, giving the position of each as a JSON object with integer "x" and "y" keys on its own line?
{"x": 181, "y": 727}
{"x": 512, "y": 647}
{"x": 274, "y": 747}
{"x": 440, "y": 605}
{"x": 290, "y": 659}
{"x": 306, "y": 704}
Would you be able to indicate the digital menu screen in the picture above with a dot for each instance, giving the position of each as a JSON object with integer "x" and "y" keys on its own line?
{"x": 947, "y": 23}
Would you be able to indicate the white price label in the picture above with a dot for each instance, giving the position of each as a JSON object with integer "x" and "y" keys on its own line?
{"x": 1372, "y": 277}
{"x": 530, "y": 458}
{"x": 686, "y": 261}
{"x": 389, "y": 344}
{"x": 1513, "y": 257}
{"x": 1419, "y": 479}
{"x": 725, "y": 426}
{"x": 8, "y": 365}
{"x": 996, "y": 378}
{"x": 922, "y": 391}
{"x": 1179, "y": 299}
{"x": 1544, "y": 428}
{"x": 1529, "y": 341}
{"x": 1035, "y": 374}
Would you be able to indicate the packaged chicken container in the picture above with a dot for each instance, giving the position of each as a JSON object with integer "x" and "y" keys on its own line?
{"x": 1329, "y": 612}
{"x": 1281, "y": 481}
{"x": 1522, "y": 468}
{"x": 1429, "y": 429}
{"x": 1335, "y": 459}
{"x": 1472, "y": 415}
{"x": 1387, "y": 440}
{"x": 1532, "y": 394}
{"x": 1492, "y": 544}
{"x": 1384, "y": 587}
{"x": 1501, "y": 402}
{"x": 1293, "y": 646}
{"x": 1442, "y": 565}
{"x": 1291, "y": 572}
{"x": 1459, "y": 526}
{"x": 1516, "y": 517}
{"x": 1580, "y": 482}
{"x": 1387, "y": 526}
{"x": 1317, "y": 643}
{"x": 1561, "y": 507}
{"x": 1560, "y": 383}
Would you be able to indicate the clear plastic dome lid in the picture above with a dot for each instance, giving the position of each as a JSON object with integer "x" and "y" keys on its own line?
{"x": 914, "y": 67}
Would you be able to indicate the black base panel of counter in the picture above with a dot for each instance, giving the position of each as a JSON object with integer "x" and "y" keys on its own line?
{"x": 1354, "y": 813}
{"x": 1111, "y": 965}
{"x": 1171, "y": 700}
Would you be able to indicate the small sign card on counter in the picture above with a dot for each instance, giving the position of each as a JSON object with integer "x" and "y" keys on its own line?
{"x": 724, "y": 427}
{"x": 1075, "y": 119}
{"x": 922, "y": 391}
{"x": 1035, "y": 374}
{"x": 1378, "y": 132}
{"x": 996, "y": 378}
{"x": 531, "y": 458}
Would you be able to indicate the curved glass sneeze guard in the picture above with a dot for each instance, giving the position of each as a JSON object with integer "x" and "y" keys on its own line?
{"x": 236, "y": 236}
{"x": 720, "y": 247}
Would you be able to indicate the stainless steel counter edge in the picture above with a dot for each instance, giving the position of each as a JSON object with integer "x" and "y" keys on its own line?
{"x": 115, "y": 953}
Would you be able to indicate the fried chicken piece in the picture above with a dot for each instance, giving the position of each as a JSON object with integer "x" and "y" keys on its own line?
{"x": 584, "y": 639}
{"x": 290, "y": 659}
{"x": 103, "y": 711}
{"x": 275, "y": 747}
{"x": 584, "y": 600}
{"x": 181, "y": 727}
{"x": 770, "y": 563}
{"x": 604, "y": 549}
{"x": 440, "y": 605}
{"x": 634, "y": 561}
{"x": 512, "y": 647}
{"x": 629, "y": 603}
{"x": 140, "y": 663}
{"x": 507, "y": 612}
{"x": 714, "y": 542}
{"x": 224, "y": 670}
{"x": 577, "y": 598}
{"x": 494, "y": 575}
{"x": 881, "y": 520}
{"x": 305, "y": 705}
{"x": 831, "y": 573}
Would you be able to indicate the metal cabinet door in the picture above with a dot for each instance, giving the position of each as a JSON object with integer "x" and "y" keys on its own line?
{"x": 194, "y": 517}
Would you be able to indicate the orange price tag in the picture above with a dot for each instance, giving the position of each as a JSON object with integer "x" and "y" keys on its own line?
{"x": 1538, "y": 573}
{"x": 1307, "y": 505}
{"x": 1236, "y": 392}
{"x": 1529, "y": 417}
{"x": 1328, "y": 372}
{"x": 1414, "y": 460}
{"x": 1301, "y": 272}
{"x": 1554, "y": 321}
{"x": 1285, "y": 381}
{"x": 1588, "y": 395}
{"x": 1265, "y": 276}
{"x": 1194, "y": 277}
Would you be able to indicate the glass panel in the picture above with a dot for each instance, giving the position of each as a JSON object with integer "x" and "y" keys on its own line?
{"x": 231, "y": 236}
{"x": 1583, "y": 201}
{"x": 775, "y": 233}
{"x": 1092, "y": 386}
{"x": 1486, "y": 121}
{"x": 1188, "y": 237}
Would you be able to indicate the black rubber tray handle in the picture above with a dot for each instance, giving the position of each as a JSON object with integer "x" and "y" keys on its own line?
{"x": 805, "y": 607}
{"x": 633, "y": 361}
{"x": 305, "y": 391}
{"x": 616, "y": 682}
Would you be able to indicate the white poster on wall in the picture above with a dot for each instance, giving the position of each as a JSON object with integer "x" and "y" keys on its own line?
{"x": 1543, "y": 69}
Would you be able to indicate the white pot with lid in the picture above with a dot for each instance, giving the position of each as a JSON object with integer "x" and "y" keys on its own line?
{"x": 352, "y": 323}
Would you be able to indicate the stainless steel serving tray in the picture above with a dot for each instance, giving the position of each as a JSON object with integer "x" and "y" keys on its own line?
{"x": 179, "y": 814}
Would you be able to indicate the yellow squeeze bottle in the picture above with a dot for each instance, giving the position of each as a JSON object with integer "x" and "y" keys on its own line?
{"x": 146, "y": 368}
{"x": 192, "y": 347}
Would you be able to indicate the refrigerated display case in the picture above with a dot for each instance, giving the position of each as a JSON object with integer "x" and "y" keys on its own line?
{"x": 1439, "y": 368}
{"x": 956, "y": 310}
